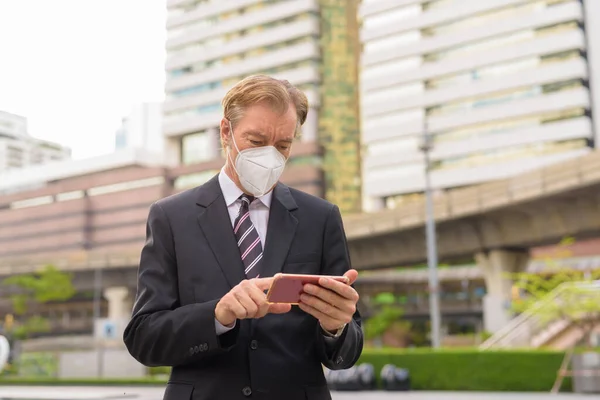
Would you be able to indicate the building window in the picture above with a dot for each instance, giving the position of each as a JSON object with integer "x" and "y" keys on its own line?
{"x": 392, "y": 68}
{"x": 197, "y": 148}
{"x": 406, "y": 145}
{"x": 205, "y": 87}
{"x": 313, "y": 160}
{"x": 391, "y": 17}
{"x": 195, "y": 179}
{"x": 511, "y": 153}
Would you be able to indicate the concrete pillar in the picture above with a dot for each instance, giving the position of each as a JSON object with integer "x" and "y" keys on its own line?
{"x": 119, "y": 303}
{"x": 498, "y": 266}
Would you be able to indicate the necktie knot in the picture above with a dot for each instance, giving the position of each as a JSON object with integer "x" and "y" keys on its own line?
{"x": 247, "y": 199}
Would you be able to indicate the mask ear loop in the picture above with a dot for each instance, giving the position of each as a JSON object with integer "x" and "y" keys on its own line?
{"x": 236, "y": 148}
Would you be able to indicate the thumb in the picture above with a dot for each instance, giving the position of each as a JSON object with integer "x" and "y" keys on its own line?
{"x": 279, "y": 308}
{"x": 352, "y": 275}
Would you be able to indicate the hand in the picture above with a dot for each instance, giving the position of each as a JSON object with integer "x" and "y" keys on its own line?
{"x": 247, "y": 300}
{"x": 333, "y": 303}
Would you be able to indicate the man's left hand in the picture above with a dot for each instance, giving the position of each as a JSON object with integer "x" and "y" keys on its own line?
{"x": 333, "y": 303}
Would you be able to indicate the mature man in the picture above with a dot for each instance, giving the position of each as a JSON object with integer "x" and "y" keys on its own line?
{"x": 211, "y": 253}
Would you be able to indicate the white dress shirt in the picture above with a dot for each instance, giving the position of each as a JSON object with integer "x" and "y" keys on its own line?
{"x": 259, "y": 215}
{"x": 259, "y": 209}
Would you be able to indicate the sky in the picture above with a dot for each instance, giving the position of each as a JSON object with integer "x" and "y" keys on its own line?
{"x": 74, "y": 68}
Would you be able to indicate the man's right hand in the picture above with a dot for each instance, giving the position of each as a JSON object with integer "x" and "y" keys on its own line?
{"x": 247, "y": 300}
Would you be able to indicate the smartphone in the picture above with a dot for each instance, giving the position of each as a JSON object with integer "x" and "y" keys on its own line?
{"x": 287, "y": 288}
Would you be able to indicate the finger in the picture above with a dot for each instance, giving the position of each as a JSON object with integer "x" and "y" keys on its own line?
{"x": 262, "y": 283}
{"x": 340, "y": 288}
{"x": 330, "y": 297}
{"x": 324, "y": 319}
{"x": 246, "y": 301}
{"x": 260, "y": 299}
{"x": 237, "y": 309}
{"x": 323, "y": 307}
{"x": 279, "y": 308}
{"x": 352, "y": 276}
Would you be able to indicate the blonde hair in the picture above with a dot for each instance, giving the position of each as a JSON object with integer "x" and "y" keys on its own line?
{"x": 255, "y": 89}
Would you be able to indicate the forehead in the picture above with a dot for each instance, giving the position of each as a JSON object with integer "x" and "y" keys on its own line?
{"x": 265, "y": 120}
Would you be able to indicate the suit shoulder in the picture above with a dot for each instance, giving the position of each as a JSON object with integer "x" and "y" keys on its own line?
{"x": 177, "y": 200}
{"x": 311, "y": 201}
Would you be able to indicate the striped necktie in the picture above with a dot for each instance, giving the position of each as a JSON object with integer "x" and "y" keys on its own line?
{"x": 247, "y": 239}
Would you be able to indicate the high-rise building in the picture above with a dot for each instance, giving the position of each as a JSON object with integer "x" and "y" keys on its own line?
{"x": 504, "y": 86}
{"x": 18, "y": 149}
{"x": 142, "y": 128}
{"x": 212, "y": 44}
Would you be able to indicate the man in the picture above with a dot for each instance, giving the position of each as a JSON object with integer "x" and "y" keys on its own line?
{"x": 212, "y": 251}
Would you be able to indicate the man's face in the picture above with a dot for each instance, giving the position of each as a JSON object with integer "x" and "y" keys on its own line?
{"x": 260, "y": 127}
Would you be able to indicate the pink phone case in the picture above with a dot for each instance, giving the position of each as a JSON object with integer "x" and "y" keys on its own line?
{"x": 287, "y": 288}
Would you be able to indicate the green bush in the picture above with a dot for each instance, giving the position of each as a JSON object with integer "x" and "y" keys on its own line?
{"x": 37, "y": 365}
{"x": 452, "y": 370}
{"x": 473, "y": 370}
{"x": 157, "y": 371}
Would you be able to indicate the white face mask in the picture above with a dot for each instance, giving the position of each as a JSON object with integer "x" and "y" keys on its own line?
{"x": 258, "y": 168}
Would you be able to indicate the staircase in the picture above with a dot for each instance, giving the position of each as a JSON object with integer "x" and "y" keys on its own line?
{"x": 530, "y": 329}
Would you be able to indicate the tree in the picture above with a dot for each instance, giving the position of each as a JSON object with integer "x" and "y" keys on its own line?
{"x": 387, "y": 320}
{"x": 49, "y": 284}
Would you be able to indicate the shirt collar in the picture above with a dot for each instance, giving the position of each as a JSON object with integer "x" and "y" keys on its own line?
{"x": 231, "y": 192}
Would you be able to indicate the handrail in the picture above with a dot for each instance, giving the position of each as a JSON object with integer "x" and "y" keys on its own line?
{"x": 523, "y": 317}
{"x": 517, "y": 324}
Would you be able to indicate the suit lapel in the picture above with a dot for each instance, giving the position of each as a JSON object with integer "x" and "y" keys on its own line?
{"x": 280, "y": 231}
{"x": 214, "y": 221}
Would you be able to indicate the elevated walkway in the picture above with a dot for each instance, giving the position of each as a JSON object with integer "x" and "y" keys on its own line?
{"x": 532, "y": 209}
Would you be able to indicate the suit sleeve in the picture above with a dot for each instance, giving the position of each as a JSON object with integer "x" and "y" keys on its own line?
{"x": 344, "y": 351}
{"x": 161, "y": 331}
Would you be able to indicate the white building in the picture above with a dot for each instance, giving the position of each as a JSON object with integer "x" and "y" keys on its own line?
{"x": 19, "y": 150}
{"x": 505, "y": 86}
{"x": 142, "y": 128}
{"x": 213, "y": 44}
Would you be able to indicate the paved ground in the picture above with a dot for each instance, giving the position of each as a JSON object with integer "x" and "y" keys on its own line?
{"x": 123, "y": 393}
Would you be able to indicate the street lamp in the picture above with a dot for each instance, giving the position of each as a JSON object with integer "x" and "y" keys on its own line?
{"x": 432, "y": 261}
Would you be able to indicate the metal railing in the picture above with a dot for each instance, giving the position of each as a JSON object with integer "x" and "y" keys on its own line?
{"x": 522, "y": 330}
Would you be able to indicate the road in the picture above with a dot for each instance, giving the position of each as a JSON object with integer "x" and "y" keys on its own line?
{"x": 123, "y": 393}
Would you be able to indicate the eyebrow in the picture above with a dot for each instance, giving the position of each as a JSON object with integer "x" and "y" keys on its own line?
{"x": 263, "y": 136}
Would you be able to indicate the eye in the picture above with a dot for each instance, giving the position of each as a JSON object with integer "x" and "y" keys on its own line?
{"x": 254, "y": 142}
{"x": 284, "y": 148}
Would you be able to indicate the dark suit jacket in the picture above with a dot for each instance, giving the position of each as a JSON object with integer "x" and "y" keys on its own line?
{"x": 191, "y": 259}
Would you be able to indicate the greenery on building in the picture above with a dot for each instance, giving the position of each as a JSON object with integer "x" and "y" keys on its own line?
{"x": 339, "y": 129}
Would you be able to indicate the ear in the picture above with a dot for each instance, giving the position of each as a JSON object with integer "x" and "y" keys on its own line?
{"x": 225, "y": 132}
